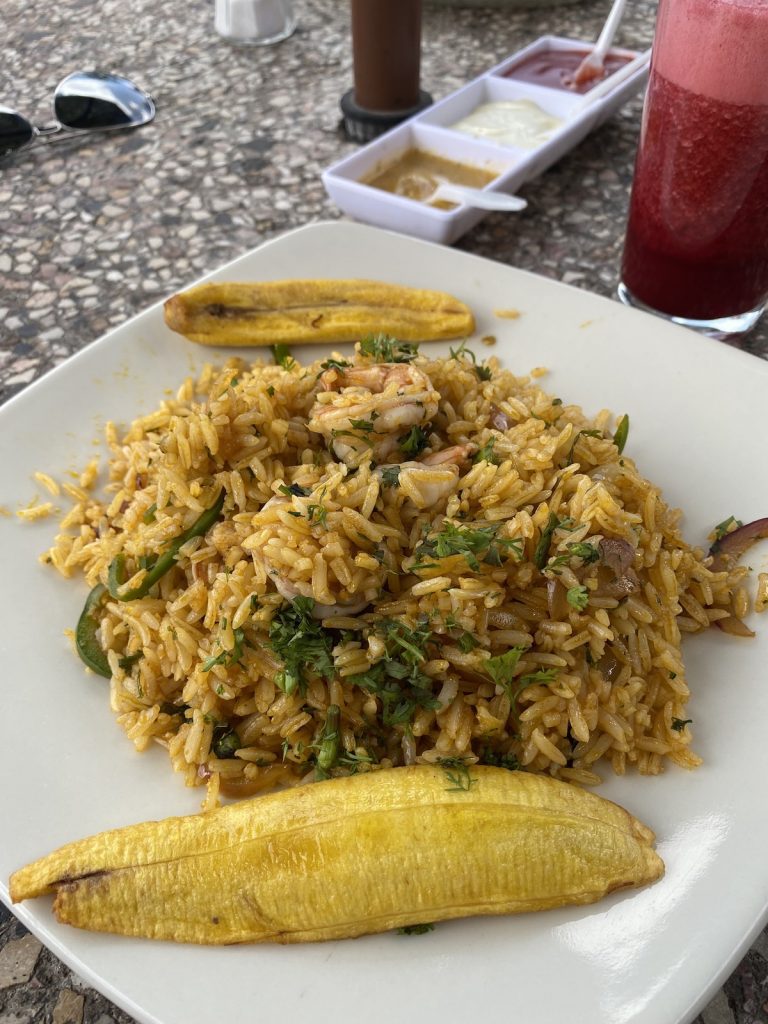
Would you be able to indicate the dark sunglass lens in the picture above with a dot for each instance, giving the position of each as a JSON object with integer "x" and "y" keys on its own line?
{"x": 87, "y": 100}
{"x": 15, "y": 131}
{"x": 88, "y": 112}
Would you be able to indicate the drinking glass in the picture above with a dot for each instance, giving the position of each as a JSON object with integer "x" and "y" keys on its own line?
{"x": 696, "y": 248}
{"x": 254, "y": 22}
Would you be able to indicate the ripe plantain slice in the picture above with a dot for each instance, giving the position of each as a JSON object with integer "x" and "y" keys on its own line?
{"x": 349, "y": 856}
{"x": 274, "y": 312}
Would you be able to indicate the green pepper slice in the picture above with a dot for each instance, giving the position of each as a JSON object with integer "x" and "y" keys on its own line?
{"x": 330, "y": 742}
{"x": 166, "y": 561}
{"x": 622, "y": 431}
{"x": 86, "y": 642}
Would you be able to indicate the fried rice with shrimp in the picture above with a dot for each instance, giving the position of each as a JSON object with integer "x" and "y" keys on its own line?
{"x": 307, "y": 571}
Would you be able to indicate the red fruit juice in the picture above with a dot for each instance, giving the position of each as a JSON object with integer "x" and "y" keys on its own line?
{"x": 697, "y": 236}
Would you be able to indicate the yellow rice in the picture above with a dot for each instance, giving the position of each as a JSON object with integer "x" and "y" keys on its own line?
{"x": 602, "y": 684}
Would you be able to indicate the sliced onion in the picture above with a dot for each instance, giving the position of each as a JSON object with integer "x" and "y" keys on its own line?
{"x": 408, "y": 744}
{"x": 733, "y": 545}
{"x": 609, "y": 666}
{"x": 730, "y": 624}
{"x": 271, "y": 775}
{"x": 617, "y": 554}
{"x": 611, "y": 585}
{"x": 623, "y": 585}
{"x": 499, "y": 418}
{"x": 616, "y": 560}
{"x": 557, "y": 602}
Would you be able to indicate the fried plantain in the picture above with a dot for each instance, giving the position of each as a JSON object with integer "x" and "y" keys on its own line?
{"x": 314, "y": 311}
{"x": 349, "y": 856}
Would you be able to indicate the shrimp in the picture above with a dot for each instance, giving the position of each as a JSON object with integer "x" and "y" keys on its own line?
{"x": 365, "y": 409}
{"x": 433, "y": 479}
{"x": 291, "y": 589}
{"x": 452, "y": 456}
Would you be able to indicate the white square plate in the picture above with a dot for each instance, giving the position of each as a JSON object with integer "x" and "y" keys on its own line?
{"x": 655, "y": 956}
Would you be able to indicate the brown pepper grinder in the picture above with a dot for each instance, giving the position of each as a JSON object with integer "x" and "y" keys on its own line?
{"x": 386, "y": 52}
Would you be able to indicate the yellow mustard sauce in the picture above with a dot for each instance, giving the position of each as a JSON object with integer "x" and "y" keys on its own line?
{"x": 417, "y": 173}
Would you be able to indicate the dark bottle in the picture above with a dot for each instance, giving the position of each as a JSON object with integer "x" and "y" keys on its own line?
{"x": 386, "y": 51}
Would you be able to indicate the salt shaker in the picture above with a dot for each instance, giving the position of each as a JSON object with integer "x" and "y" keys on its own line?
{"x": 254, "y": 22}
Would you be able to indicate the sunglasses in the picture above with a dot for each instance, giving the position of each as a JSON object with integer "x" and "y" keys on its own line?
{"x": 84, "y": 102}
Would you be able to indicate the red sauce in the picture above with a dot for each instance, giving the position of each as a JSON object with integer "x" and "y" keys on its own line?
{"x": 556, "y": 68}
{"x": 697, "y": 236}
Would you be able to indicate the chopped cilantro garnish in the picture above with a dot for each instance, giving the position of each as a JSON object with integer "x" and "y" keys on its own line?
{"x": 227, "y": 657}
{"x": 724, "y": 528}
{"x": 149, "y": 515}
{"x": 317, "y": 514}
{"x": 283, "y": 357}
{"x": 168, "y": 708}
{"x": 462, "y": 352}
{"x": 508, "y": 761}
{"x": 473, "y": 542}
{"x": 542, "y": 548}
{"x": 385, "y": 349}
{"x": 350, "y": 433}
{"x": 353, "y": 761}
{"x": 400, "y": 698}
{"x": 586, "y": 552}
{"x": 485, "y": 454}
{"x": 294, "y": 489}
{"x": 457, "y": 773}
{"x": 364, "y": 425}
{"x": 127, "y": 662}
{"x": 501, "y": 668}
{"x": 577, "y": 597}
{"x": 335, "y": 364}
{"x": 302, "y": 644}
{"x": 467, "y": 642}
{"x": 414, "y": 442}
{"x": 410, "y": 641}
{"x": 397, "y": 679}
{"x": 225, "y": 742}
{"x": 390, "y": 476}
{"x": 555, "y": 565}
{"x": 543, "y": 675}
{"x": 586, "y": 433}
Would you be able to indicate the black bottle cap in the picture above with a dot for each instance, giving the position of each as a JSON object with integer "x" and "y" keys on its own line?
{"x": 360, "y": 125}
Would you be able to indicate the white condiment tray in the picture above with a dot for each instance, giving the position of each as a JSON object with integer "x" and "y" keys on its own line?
{"x": 430, "y": 130}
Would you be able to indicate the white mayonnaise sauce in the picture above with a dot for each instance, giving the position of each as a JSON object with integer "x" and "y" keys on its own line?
{"x": 520, "y": 123}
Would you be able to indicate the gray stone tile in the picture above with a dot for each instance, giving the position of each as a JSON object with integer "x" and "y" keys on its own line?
{"x": 17, "y": 960}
